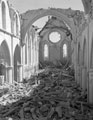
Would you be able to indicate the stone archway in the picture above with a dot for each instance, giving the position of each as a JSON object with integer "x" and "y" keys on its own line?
{"x": 4, "y": 60}
{"x": 17, "y": 63}
{"x": 31, "y": 16}
{"x": 4, "y": 53}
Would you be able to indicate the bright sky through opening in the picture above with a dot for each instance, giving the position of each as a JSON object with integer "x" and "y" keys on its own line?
{"x": 24, "y": 5}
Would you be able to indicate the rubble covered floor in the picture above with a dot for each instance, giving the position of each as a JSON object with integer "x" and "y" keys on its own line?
{"x": 57, "y": 97}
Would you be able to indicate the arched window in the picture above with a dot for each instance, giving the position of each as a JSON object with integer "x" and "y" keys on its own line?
{"x": 64, "y": 50}
{"x": 15, "y": 31}
{"x": 3, "y": 15}
{"x": 16, "y": 25}
{"x": 45, "y": 51}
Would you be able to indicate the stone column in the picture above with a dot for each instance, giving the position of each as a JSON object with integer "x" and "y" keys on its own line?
{"x": 90, "y": 87}
{"x": 9, "y": 76}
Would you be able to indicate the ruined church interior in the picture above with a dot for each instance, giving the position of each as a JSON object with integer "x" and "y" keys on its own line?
{"x": 46, "y": 72}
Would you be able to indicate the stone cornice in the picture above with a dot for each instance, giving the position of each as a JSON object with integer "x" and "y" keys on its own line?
{"x": 8, "y": 33}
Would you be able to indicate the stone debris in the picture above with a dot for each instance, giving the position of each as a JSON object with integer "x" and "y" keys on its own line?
{"x": 10, "y": 93}
{"x": 57, "y": 97}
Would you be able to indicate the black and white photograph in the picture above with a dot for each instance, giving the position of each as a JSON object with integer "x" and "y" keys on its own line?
{"x": 46, "y": 59}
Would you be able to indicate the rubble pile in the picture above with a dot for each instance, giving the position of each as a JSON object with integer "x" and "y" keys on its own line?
{"x": 57, "y": 97}
{"x": 10, "y": 93}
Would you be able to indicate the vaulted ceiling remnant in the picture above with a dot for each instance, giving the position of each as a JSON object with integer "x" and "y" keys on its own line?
{"x": 31, "y": 16}
{"x": 72, "y": 18}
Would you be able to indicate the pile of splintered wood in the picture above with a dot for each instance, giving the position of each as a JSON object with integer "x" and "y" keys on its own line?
{"x": 10, "y": 93}
{"x": 57, "y": 97}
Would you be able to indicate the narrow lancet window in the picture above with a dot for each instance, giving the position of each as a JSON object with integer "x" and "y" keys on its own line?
{"x": 64, "y": 50}
{"x": 45, "y": 51}
{"x": 3, "y": 15}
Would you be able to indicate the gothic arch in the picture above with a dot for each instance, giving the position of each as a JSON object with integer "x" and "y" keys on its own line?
{"x": 16, "y": 24}
{"x": 4, "y": 59}
{"x": 6, "y": 23}
{"x": 31, "y": 16}
{"x": 17, "y": 61}
{"x": 5, "y": 53}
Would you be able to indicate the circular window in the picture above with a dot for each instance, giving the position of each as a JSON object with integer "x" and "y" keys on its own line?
{"x": 54, "y": 37}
